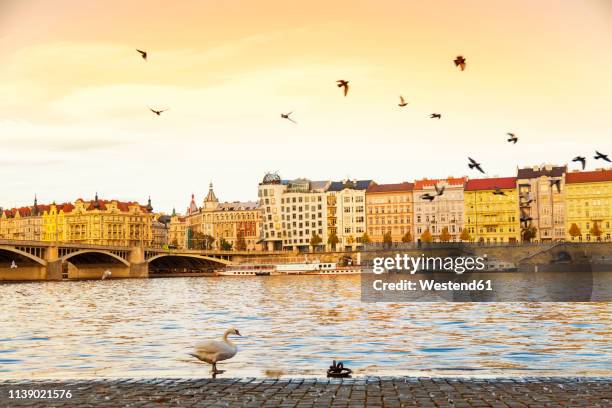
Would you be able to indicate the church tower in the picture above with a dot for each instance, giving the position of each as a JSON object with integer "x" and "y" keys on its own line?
{"x": 210, "y": 201}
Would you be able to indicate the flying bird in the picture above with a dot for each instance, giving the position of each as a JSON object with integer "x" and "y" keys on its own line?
{"x": 343, "y": 83}
{"x": 13, "y": 265}
{"x": 286, "y": 116}
{"x": 427, "y": 196}
{"x": 460, "y": 62}
{"x": 498, "y": 191}
{"x": 473, "y": 164}
{"x": 435, "y": 116}
{"x": 439, "y": 190}
{"x": 602, "y": 156}
{"x": 512, "y": 138}
{"x": 556, "y": 183}
{"x": 158, "y": 112}
{"x": 213, "y": 351}
{"x": 143, "y": 54}
{"x": 107, "y": 274}
{"x": 402, "y": 102}
{"x": 580, "y": 159}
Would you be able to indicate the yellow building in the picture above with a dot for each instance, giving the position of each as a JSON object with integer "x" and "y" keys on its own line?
{"x": 100, "y": 222}
{"x": 588, "y": 200}
{"x": 24, "y": 223}
{"x": 389, "y": 210}
{"x": 237, "y": 224}
{"x": 492, "y": 217}
{"x": 177, "y": 231}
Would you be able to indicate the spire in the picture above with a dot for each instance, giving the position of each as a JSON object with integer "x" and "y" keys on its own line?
{"x": 192, "y": 205}
{"x": 96, "y": 203}
{"x": 173, "y": 212}
{"x": 35, "y": 206}
{"x": 210, "y": 197}
{"x": 149, "y": 206}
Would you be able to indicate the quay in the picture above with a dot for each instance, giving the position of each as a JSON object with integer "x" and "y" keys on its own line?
{"x": 538, "y": 392}
{"x": 37, "y": 260}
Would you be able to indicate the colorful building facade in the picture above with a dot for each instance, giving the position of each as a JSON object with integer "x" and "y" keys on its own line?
{"x": 236, "y": 224}
{"x": 390, "y": 210}
{"x": 99, "y": 222}
{"x": 492, "y": 210}
{"x": 541, "y": 199}
{"x": 443, "y": 213}
{"x": 346, "y": 213}
{"x": 588, "y": 202}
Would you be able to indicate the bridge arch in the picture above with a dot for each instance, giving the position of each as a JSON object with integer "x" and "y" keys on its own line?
{"x": 65, "y": 258}
{"x": 193, "y": 256}
{"x": 24, "y": 254}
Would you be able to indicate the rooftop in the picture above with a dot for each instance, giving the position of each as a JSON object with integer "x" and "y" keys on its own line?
{"x": 589, "y": 176}
{"x": 390, "y": 188}
{"x": 490, "y": 183}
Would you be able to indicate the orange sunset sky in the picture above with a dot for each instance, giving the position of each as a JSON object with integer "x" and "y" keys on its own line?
{"x": 74, "y": 94}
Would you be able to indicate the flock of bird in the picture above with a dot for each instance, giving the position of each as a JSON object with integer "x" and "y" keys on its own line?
{"x": 461, "y": 63}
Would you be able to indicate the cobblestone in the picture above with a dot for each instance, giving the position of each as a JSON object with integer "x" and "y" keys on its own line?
{"x": 310, "y": 393}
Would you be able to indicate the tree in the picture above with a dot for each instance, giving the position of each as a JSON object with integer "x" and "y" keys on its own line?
{"x": 315, "y": 240}
{"x": 208, "y": 241}
{"x": 365, "y": 238}
{"x": 574, "y": 231}
{"x": 241, "y": 244}
{"x": 595, "y": 230}
{"x": 465, "y": 235}
{"x": 333, "y": 240}
{"x": 407, "y": 237}
{"x": 387, "y": 239}
{"x": 426, "y": 236}
{"x": 529, "y": 233}
{"x": 224, "y": 245}
{"x": 444, "y": 235}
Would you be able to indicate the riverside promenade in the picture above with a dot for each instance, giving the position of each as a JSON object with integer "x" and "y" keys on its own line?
{"x": 308, "y": 392}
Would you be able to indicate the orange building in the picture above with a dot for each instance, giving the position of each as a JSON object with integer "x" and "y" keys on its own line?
{"x": 389, "y": 209}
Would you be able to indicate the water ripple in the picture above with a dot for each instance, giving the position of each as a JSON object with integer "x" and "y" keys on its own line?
{"x": 292, "y": 326}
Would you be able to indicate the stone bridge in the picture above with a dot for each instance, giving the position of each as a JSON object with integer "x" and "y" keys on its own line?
{"x": 33, "y": 260}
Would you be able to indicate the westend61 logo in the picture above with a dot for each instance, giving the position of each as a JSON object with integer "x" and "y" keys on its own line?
{"x": 406, "y": 263}
{"x": 404, "y": 278}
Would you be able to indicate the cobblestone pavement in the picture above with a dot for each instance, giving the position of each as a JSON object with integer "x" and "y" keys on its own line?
{"x": 354, "y": 392}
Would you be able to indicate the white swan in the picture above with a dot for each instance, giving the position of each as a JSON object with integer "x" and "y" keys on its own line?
{"x": 213, "y": 351}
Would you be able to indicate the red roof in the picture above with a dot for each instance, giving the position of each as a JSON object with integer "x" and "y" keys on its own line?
{"x": 588, "y": 176}
{"x": 453, "y": 181}
{"x": 491, "y": 183}
{"x": 390, "y": 188}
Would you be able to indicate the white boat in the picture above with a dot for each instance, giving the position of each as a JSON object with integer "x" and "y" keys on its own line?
{"x": 247, "y": 270}
{"x": 306, "y": 268}
{"x": 316, "y": 268}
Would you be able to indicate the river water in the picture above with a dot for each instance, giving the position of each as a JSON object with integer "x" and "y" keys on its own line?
{"x": 291, "y": 326}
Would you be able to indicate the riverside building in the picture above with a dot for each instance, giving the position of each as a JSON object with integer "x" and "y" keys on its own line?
{"x": 541, "y": 198}
{"x": 389, "y": 209}
{"x": 231, "y": 225}
{"x": 489, "y": 217}
{"x": 99, "y": 222}
{"x": 588, "y": 203}
{"x": 444, "y": 212}
{"x": 293, "y": 212}
{"x": 346, "y": 214}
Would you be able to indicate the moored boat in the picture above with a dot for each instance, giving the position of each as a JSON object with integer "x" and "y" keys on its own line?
{"x": 247, "y": 270}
